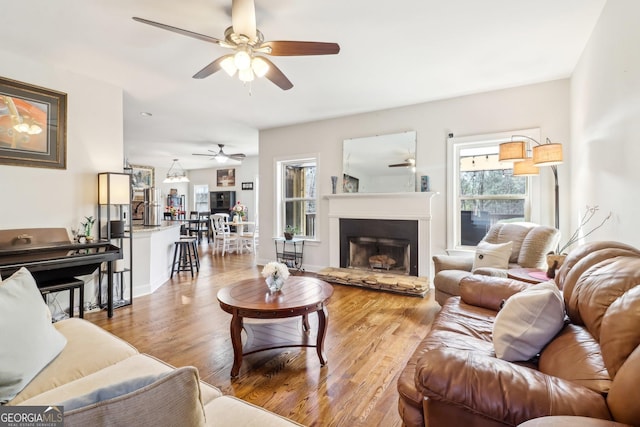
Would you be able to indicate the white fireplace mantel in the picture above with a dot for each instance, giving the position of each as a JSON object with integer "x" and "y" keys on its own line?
{"x": 402, "y": 206}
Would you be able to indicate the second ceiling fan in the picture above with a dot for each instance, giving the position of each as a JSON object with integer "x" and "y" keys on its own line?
{"x": 221, "y": 157}
{"x": 249, "y": 46}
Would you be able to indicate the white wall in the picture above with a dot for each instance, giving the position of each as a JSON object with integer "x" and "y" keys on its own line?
{"x": 605, "y": 127}
{"x": 246, "y": 172}
{"x": 39, "y": 197}
{"x": 544, "y": 105}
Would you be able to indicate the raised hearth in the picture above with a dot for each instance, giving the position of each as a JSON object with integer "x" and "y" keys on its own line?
{"x": 397, "y": 283}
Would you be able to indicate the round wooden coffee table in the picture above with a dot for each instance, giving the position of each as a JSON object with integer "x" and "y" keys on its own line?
{"x": 251, "y": 298}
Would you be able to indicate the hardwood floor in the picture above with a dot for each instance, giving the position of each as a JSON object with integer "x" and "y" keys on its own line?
{"x": 370, "y": 336}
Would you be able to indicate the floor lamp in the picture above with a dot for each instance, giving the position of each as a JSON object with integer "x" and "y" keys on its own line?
{"x": 547, "y": 154}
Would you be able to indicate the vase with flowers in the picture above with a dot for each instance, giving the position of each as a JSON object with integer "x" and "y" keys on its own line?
{"x": 238, "y": 212}
{"x": 275, "y": 274}
{"x": 555, "y": 259}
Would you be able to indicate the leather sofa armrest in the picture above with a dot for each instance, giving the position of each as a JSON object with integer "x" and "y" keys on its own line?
{"x": 452, "y": 262}
{"x": 487, "y": 291}
{"x": 499, "y": 390}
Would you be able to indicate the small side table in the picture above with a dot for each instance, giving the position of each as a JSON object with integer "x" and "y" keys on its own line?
{"x": 290, "y": 252}
{"x": 529, "y": 275}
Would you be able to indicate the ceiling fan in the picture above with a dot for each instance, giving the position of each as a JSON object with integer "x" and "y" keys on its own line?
{"x": 410, "y": 162}
{"x": 249, "y": 46}
{"x": 221, "y": 156}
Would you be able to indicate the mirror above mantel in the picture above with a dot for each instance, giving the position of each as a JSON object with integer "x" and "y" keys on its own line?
{"x": 380, "y": 163}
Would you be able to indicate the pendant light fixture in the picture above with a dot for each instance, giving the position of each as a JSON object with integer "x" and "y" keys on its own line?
{"x": 176, "y": 173}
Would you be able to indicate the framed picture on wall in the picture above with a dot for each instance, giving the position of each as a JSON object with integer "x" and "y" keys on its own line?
{"x": 247, "y": 185}
{"x": 226, "y": 177}
{"x": 142, "y": 177}
{"x": 33, "y": 126}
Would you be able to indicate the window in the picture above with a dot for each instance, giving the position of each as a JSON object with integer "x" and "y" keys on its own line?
{"x": 201, "y": 197}
{"x": 482, "y": 189}
{"x": 298, "y": 196}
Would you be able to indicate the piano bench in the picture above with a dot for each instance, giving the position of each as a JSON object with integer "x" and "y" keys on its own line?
{"x": 65, "y": 285}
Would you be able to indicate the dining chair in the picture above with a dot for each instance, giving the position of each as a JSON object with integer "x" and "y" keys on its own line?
{"x": 223, "y": 238}
{"x": 205, "y": 228}
{"x": 248, "y": 234}
{"x": 193, "y": 225}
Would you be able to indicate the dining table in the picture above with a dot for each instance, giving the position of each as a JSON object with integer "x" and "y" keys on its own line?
{"x": 242, "y": 229}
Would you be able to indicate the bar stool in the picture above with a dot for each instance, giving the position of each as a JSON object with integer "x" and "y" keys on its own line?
{"x": 194, "y": 248}
{"x": 183, "y": 252}
{"x": 66, "y": 285}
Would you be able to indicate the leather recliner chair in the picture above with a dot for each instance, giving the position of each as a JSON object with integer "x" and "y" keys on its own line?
{"x": 531, "y": 243}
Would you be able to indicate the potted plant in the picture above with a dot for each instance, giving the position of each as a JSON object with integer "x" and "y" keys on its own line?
{"x": 290, "y": 231}
{"x": 555, "y": 259}
{"x": 87, "y": 226}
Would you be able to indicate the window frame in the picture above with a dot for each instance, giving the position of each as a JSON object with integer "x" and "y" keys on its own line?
{"x": 195, "y": 197}
{"x": 280, "y": 166}
{"x": 454, "y": 146}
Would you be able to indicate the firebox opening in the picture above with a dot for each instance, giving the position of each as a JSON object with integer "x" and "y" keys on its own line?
{"x": 381, "y": 244}
{"x": 385, "y": 254}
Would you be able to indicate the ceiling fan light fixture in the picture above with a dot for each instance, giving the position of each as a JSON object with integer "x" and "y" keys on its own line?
{"x": 221, "y": 158}
{"x": 246, "y": 75}
{"x": 259, "y": 66}
{"x": 242, "y": 60}
{"x": 229, "y": 66}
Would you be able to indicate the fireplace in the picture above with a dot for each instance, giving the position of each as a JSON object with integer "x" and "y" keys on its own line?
{"x": 416, "y": 210}
{"x": 380, "y": 245}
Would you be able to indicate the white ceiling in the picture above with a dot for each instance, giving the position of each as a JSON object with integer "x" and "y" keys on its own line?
{"x": 393, "y": 53}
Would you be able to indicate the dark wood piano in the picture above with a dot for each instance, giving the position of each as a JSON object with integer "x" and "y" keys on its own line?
{"x": 50, "y": 256}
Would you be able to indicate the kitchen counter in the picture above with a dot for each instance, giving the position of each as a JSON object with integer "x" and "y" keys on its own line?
{"x": 152, "y": 255}
{"x": 139, "y": 228}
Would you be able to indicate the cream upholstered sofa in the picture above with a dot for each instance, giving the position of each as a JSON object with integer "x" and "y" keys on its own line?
{"x": 95, "y": 359}
{"x": 99, "y": 379}
{"x": 530, "y": 244}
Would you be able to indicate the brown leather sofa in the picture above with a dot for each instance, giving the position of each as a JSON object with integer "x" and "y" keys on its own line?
{"x": 591, "y": 368}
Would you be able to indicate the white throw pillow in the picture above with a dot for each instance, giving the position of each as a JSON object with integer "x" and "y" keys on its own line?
{"x": 528, "y": 321}
{"x": 492, "y": 255}
{"x": 28, "y": 340}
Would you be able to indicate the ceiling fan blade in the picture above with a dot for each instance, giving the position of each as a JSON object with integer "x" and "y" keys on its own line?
{"x": 276, "y": 76}
{"x": 401, "y": 165}
{"x": 211, "y": 68}
{"x": 179, "y": 30}
{"x": 243, "y": 18}
{"x": 293, "y": 48}
{"x": 199, "y": 154}
{"x": 237, "y": 156}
